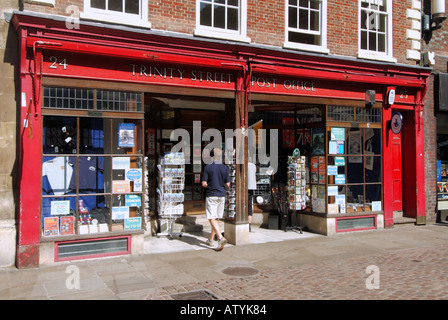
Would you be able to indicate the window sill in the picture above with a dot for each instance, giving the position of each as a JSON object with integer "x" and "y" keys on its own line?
{"x": 116, "y": 20}
{"x": 304, "y": 47}
{"x": 221, "y": 35}
{"x": 376, "y": 57}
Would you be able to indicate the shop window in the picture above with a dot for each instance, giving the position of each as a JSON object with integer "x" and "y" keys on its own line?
{"x": 92, "y": 169}
{"x": 132, "y": 12}
{"x": 225, "y": 19}
{"x": 306, "y": 25}
{"x": 345, "y": 163}
{"x": 375, "y": 29}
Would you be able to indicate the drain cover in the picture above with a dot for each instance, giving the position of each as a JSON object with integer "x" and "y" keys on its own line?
{"x": 240, "y": 271}
{"x": 194, "y": 295}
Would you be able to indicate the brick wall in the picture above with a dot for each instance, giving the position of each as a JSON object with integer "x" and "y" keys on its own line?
{"x": 266, "y": 22}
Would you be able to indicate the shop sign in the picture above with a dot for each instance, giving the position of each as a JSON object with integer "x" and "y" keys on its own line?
{"x": 91, "y": 67}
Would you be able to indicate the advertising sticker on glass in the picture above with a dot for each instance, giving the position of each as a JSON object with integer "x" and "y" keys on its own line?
{"x": 126, "y": 134}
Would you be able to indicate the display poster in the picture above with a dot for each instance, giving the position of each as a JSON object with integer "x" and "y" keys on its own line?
{"x": 60, "y": 207}
{"x": 339, "y": 179}
{"x": 332, "y": 190}
{"x": 133, "y": 200}
{"x": 318, "y": 142}
{"x": 133, "y": 223}
{"x": 339, "y": 161}
{"x": 376, "y": 205}
{"x": 338, "y": 134}
{"x": 121, "y": 186}
{"x": 51, "y": 226}
{"x": 121, "y": 163}
{"x": 151, "y": 139}
{"x": 126, "y": 135}
{"x": 67, "y": 225}
{"x": 120, "y": 213}
{"x": 332, "y": 170}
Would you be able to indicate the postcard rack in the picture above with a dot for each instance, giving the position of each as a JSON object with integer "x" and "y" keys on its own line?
{"x": 170, "y": 192}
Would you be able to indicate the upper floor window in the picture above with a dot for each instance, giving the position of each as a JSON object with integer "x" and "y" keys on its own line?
{"x": 130, "y": 12}
{"x": 225, "y": 19}
{"x": 375, "y": 30}
{"x": 306, "y": 25}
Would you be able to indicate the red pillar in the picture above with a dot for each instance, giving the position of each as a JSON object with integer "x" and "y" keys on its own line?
{"x": 387, "y": 169}
{"x": 420, "y": 162}
{"x": 28, "y": 217}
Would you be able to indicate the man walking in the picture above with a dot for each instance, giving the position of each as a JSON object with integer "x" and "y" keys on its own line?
{"x": 215, "y": 179}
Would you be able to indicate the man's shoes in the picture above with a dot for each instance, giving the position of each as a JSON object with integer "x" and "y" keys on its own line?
{"x": 221, "y": 243}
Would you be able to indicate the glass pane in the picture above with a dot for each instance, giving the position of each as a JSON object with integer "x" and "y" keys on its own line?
{"x": 59, "y": 135}
{"x": 127, "y": 174}
{"x": 355, "y": 198}
{"x": 115, "y": 5}
{"x": 303, "y": 19}
{"x": 364, "y": 40}
{"x": 219, "y": 17}
{"x": 372, "y": 141}
{"x": 232, "y": 19}
{"x": 373, "y": 193}
{"x": 93, "y": 214}
{"x": 132, "y": 6}
{"x": 58, "y": 216}
{"x": 91, "y": 135}
{"x": 304, "y": 3}
{"x": 126, "y": 136}
{"x": 293, "y": 2}
{"x": 126, "y": 212}
{"x": 373, "y": 169}
{"x": 99, "y": 4}
{"x": 314, "y": 20}
{"x": 382, "y": 43}
{"x": 355, "y": 172}
{"x": 292, "y": 15}
{"x": 372, "y": 41}
{"x": 57, "y": 175}
{"x": 315, "y": 4}
{"x": 206, "y": 15}
{"x": 233, "y": 3}
{"x": 90, "y": 172}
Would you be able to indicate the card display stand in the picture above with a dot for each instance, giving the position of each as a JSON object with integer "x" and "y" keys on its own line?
{"x": 170, "y": 192}
{"x": 229, "y": 207}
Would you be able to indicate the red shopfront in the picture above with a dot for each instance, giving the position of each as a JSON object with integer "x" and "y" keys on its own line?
{"x": 70, "y": 79}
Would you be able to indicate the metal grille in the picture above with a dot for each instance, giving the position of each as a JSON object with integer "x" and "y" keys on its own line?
{"x": 90, "y": 248}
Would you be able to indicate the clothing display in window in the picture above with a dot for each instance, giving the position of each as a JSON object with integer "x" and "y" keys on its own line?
{"x": 90, "y": 174}
{"x": 59, "y": 173}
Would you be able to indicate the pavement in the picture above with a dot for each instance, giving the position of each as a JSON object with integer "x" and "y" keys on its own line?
{"x": 400, "y": 263}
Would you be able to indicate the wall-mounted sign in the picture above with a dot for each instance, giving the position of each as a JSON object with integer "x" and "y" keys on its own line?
{"x": 391, "y": 97}
{"x": 396, "y": 122}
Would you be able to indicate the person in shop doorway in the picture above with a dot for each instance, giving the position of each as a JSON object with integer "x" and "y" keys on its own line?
{"x": 215, "y": 179}
{"x": 251, "y": 186}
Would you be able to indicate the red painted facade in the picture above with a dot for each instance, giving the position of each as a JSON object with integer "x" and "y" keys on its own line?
{"x": 49, "y": 50}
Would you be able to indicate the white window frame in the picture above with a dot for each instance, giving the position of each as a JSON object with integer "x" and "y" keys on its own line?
{"x": 140, "y": 20}
{"x": 375, "y": 55}
{"x": 322, "y": 48}
{"x": 218, "y": 33}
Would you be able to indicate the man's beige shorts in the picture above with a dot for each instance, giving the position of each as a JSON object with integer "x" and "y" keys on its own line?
{"x": 214, "y": 207}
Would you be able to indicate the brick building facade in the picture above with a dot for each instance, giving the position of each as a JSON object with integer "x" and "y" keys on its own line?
{"x": 262, "y": 26}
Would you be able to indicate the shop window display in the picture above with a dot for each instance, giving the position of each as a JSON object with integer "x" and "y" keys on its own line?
{"x": 92, "y": 174}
